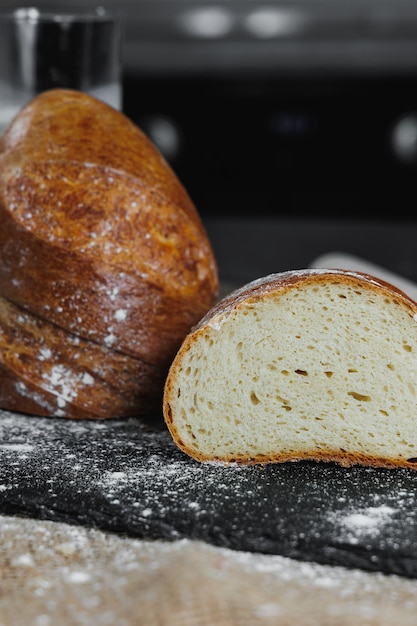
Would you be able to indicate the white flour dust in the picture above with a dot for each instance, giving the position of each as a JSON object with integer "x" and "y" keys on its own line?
{"x": 359, "y": 524}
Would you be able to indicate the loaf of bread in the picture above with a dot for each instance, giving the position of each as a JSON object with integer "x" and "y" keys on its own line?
{"x": 314, "y": 365}
{"x": 105, "y": 264}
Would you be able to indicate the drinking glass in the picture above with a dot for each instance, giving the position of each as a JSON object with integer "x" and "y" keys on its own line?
{"x": 73, "y": 49}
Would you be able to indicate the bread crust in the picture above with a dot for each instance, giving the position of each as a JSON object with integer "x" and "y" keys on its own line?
{"x": 227, "y": 310}
{"x": 282, "y": 281}
{"x": 71, "y": 126}
{"x": 127, "y": 247}
{"x": 50, "y": 371}
{"x": 100, "y": 239}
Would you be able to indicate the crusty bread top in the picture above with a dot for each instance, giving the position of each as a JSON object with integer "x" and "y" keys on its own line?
{"x": 72, "y": 126}
{"x": 309, "y": 364}
{"x": 98, "y": 235}
{"x": 104, "y": 262}
{"x": 281, "y": 281}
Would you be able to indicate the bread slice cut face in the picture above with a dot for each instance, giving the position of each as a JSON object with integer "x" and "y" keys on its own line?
{"x": 303, "y": 365}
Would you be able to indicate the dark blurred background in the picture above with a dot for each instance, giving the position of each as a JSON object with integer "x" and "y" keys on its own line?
{"x": 297, "y": 108}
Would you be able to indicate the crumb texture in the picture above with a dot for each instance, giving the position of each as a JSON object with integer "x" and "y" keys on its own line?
{"x": 325, "y": 368}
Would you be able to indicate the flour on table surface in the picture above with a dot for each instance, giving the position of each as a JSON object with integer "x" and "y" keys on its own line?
{"x": 127, "y": 476}
{"x": 365, "y": 522}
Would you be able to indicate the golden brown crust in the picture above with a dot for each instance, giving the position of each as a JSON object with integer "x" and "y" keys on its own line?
{"x": 280, "y": 282}
{"x": 100, "y": 239}
{"x": 129, "y": 249}
{"x": 48, "y": 371}
{"x": 68, "y": 125}
{"x": 345, "y": 459}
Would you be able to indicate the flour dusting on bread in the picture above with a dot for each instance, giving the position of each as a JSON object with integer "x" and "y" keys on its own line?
{"x": 99, "y": 243}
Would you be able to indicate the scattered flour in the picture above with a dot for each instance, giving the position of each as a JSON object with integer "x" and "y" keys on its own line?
{"x": 17, "y": 447}
{"x": 360, "y": 524}
{"x": 78, "y": 577}
{"x": 126, "y": 476}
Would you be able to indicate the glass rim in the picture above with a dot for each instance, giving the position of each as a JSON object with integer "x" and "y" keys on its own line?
{"x": 33, "y": 14}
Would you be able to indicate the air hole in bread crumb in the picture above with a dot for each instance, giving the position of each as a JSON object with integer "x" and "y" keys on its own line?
{"x": 190, "y": 430}
{"x": 328, "y": 374}
{"x": 383, "y": 412}
{"x": 285, "y": 372}
{"x": 282, "y": 400}
{"x": 352, "y": 370}
{"x": 359, "y": 396}
{"x": 412, "y": 460}
{"x": 407, "y": 347}
{"x": 254, "y": 398}
{"x": 390, "y": 366}
{"x": 301, "y": 372}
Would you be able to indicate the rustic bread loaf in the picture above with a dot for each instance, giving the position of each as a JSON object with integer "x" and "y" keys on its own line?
{"x": 101, "y": 243}
{"x": 309, "y": 364}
